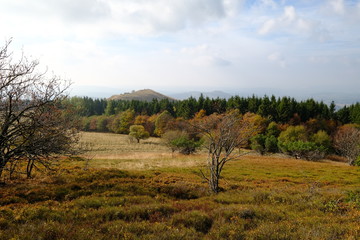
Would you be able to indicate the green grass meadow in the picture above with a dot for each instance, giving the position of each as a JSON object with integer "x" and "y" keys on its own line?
{"x": 124, "y": 190}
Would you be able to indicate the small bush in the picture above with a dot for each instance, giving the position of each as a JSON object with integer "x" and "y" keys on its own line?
{"x": 90, "y": 202}
{"x": 61, "y": 193}
{"x": 272, "y": 231}
{"x": 230, "y": 231}
{"x": 261, "y": 197}
{"x": 97, "y": 202}
{"x": 258, "y": 143}
{"x": 10, "y": 200}
{"x": 145, "y": 230}
{"x": 4, "y": 223}
{"x": 271, "y": 144}
{"x": 42, "y": 213}
{"x": 305, "y": 150}
{"x": 354, "y": 197}
{"x": 357, "y": 161}
{"x": 39, "y": 195}
{"x": 200, "y": 221}
{"x": 181, "y": 141}
{"x": 179, "y": 191}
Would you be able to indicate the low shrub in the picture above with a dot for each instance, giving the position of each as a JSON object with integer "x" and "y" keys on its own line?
{"x": 354, "y": 197}
{"x": 146, "y": 212}
{"x": 39, "y": 195}
{"x": 11, "y": 200}
{"x": 200, "y": 221}
{"x": 146, "y": 230}
{"x": 90, "y": 202}
{"x": 357, "y": 161}
{"x": 41, "y": 213}
{"x": 303, "y": 149}
{"x": 275, "y": 231}
{"x": 106, "y": 174}
{"x": 230, "y": 231}
{"x": 179, "y": 191}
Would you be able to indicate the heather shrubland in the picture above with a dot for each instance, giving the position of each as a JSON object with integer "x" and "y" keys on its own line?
{"x": 261, "y": 197}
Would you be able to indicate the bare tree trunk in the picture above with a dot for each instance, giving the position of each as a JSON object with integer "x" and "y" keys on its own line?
{"x": 2, "y": 167}
{"x": 224, "y": 134}
{"x": 12, "y": 168}
{"x": 214, "y": 180}
{"x": 29, "y": 167}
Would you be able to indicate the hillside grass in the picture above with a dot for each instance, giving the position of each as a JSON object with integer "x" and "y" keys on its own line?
{"x": 263, "y": 197}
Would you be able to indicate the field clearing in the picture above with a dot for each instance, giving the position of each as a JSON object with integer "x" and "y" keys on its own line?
{"x": 108, "y": 150}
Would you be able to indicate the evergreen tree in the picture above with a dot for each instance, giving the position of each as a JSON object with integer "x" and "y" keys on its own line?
{"x": 110, "y": 108}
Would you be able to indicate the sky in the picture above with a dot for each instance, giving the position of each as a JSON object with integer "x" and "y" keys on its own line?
{"x": 191, "y": 45}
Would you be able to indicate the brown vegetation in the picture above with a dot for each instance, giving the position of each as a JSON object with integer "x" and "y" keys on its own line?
{"x": 141, "y": 95}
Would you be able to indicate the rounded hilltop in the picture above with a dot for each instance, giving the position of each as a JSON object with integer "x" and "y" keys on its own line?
{"x": 141, "y": 95}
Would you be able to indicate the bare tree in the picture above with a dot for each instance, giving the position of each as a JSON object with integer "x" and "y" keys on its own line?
{"x": 347, "y": 143}
{"x": 224, "y": 134}
{"x": 34, "y": 125}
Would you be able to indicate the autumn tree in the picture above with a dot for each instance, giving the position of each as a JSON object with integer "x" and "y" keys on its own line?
{"x": 296, "y": 142}
{"x": 138, "y": 132}
{"x": 347, "y": 142}
{"x": 223, "y": 134}
{"x": 161, "y": 123}
{"x": 33, "y": 124}
{"x": 122, "y": 122}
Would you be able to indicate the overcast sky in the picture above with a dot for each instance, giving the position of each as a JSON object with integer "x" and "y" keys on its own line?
{"x": 201, "y": 45}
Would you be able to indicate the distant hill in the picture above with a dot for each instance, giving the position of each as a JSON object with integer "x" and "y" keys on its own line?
{"x": 195, "y": 94}
{"x": 141, "y": 95}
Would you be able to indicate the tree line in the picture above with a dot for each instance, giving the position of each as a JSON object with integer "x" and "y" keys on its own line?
{"x": 303, "y": 129}
{"x": 281, "y": 110}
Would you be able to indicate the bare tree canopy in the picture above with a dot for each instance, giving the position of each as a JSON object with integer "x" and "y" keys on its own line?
{"x": 347, "y": 142}
{"x": 225, "y": 133}
{"x": 33, "y": 124}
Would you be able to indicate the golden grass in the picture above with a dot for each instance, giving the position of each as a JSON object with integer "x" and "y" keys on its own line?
{"x": 109, "y": 150}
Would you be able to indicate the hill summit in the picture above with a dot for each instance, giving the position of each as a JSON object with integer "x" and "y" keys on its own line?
{"x": 141, "y": 95}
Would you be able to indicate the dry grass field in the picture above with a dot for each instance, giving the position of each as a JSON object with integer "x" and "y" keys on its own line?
{"x": 109, "y": 150}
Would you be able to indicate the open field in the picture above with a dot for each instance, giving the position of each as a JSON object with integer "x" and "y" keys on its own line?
{"x": 109, "y": 150}
{"x": 125, "y": 195}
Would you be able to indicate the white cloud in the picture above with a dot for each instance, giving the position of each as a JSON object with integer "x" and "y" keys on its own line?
{"x": 267, "y": 27}
{"x": 99, "y": 18}
{"x": 276, "y": 57}
{"x": 269, "y": 3}
{"x": 338, "y": 6}
{"x": 209, "y": 61}
{"x": 80, "y": 10}
{"x": 166, "y": 16}
{"x": 200, "y": 49}
{"x": 205, "y": 56}
{"x": 293, "y": 24}
{"x": 289, "y": 14}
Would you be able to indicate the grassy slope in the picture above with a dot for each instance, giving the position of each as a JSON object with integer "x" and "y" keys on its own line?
{"x": 263, "y": 198}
